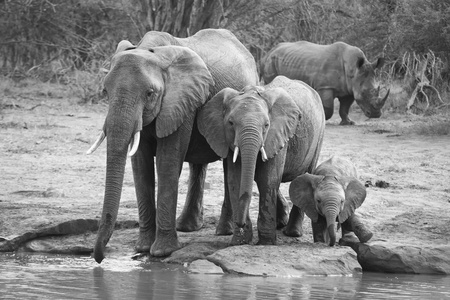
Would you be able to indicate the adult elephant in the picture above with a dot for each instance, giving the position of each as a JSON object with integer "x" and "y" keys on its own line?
{"x": 334, "y": 71}
{"x": 154, "y": 90}
{"x": 276, "y": 134}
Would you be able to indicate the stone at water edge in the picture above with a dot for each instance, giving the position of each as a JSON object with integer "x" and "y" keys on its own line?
{"x": 304, "y": 259}
{"x": 202, "y": 266}
{"x": 403, "y": 259}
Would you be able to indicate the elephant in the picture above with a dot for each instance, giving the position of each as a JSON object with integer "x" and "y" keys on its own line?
{"x": 154, "y": 91}
{"x": 332, "y": 193}
{"x": 338, "y": 71}
{"x": 273, "y": 134}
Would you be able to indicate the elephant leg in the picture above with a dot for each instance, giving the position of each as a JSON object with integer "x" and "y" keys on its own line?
{"x": 327, "y": 97}
{"x": 191, "y": 218}
{"x": 282, "y": 210}
{"x": 144, "y": 181}
{"x": 319, "y": 229}
{"x": 354, "y": 223}
{"x": 225, "y": 226}
{"x": 268, "y": 179}
{"x": 294, "y": 226}
{"x": 240, "y": 235}
{"x": 170, "y": 154}
{"x": 344, "y": 109}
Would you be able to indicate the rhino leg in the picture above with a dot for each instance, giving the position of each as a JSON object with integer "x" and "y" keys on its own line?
{"x": 344, "y": 108}
{"x": 327, "y": 98}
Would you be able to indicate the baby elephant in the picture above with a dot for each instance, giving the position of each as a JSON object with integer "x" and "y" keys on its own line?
{"x": 330, "y": 194}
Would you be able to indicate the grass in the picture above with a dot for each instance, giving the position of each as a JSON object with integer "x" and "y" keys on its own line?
{"x": 433, "y": 127}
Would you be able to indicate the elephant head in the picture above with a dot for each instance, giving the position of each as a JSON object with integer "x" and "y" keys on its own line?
{"x": 256, "y": 120}
{"x": 364, "y": 87}
{"x": 333, "y": 197}
{"x": 162, "y": 86}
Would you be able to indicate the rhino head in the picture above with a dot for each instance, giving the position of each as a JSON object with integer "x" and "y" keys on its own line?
{"x": 365, "y": 89}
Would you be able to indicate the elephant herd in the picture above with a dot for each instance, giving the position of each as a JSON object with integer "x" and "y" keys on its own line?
{"x": 198, "y": 100}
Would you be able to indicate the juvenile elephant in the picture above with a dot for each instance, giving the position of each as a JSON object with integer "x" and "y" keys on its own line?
{"x": 276, "y": 134}
{"x": 331, "y": 194}
{"x": 334, "y": 71}
{"x": 154, "y": 90}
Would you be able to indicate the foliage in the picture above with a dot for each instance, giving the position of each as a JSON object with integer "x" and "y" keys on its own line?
{"x": 57, "y": 39}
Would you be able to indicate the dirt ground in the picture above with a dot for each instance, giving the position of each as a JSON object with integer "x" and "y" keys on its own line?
{"x": 46, "y": 178}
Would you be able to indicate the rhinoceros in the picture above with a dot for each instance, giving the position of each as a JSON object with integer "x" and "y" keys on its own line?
{"x": 338, "y": 71}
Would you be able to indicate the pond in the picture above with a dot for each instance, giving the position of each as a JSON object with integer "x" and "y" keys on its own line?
{"x": 37, "y": 276}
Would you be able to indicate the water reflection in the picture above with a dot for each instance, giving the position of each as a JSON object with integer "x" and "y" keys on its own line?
{"x": 25, "y": 276}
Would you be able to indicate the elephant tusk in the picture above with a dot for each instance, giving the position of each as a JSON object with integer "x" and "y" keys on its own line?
{"x": 263, "y": 154}
{"x": 97, "y": 143}
{"x": 236, "y": 152}
{"x": 134, "y": 143}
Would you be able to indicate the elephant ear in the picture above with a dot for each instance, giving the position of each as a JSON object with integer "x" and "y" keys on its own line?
{"x": 284, "y": 117}
{"x": 187, "y": 87}
{"x": 210, "y": 120}
{"x": 301, "y": 192}
{"x": 355, "y": 194}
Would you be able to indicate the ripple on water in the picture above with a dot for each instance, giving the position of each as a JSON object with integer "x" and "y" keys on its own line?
{"x": 24, "y": 276}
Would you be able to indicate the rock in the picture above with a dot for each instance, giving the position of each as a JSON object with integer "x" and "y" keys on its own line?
{"x": 298, "y": 260}
{"x": 45, "y": 246}
{"x": 376, "y": 257}
{"x": 202, "y": 266}
{"x": 77, "y": 226}
{"x": 192, "y": 252}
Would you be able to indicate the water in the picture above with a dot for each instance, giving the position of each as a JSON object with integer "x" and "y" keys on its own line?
{"x": 37, "y": 276}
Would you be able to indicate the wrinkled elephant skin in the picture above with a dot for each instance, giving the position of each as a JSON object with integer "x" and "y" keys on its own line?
{"x": 334, "y": 71}
{"x": 273, "y": 134}
{"x": 330, "y": 194}
{"x": 154, "y": 91}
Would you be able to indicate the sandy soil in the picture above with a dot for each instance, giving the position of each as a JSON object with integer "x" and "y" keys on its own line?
{"x": 46, "y": 178}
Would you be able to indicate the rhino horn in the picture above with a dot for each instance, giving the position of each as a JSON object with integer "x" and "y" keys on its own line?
{"x": 382, "y": 101}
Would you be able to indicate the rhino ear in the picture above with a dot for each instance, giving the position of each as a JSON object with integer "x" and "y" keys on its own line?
{"x": 301, "y": 192}
{"x": 379, "y": 63}
{"x": 360, "y": 62}
{"x": 124, "y": 45}
{"x": 355, "y": 194}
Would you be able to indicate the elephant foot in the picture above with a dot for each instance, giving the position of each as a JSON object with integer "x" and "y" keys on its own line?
{"x": 267, "y": 239}
{"x": 186, "y": 224}
{"x": 282, "y": 211}
{"x": 348, "y": 239}
{"x": 347, "y": 122}
{"x": 165, "y": 243}
{"x": 363, "y": 234}
{"x": 293, "y": 231}
{"x": 294, "y": 226}
{"x": 224, "y": 228}
{"x": 242, "y": 235}
{"x": 281, "y": 223}
{"x": 145, "y": 239}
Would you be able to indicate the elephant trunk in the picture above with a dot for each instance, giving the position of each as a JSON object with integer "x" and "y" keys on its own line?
{"x": 119, "y": 132}
{"x": 115, "y": 168}
{"x": 250, "y": 145}
{"x": 330, "y": 215}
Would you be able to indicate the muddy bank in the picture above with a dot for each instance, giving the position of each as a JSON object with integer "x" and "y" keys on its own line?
{"x": 48, "y": 180}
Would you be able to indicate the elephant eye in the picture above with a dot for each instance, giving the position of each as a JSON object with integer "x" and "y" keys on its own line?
{"x": 150, "y": 92}
{"x": 104, "y": 93}
{"x": 230, "y": 122}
